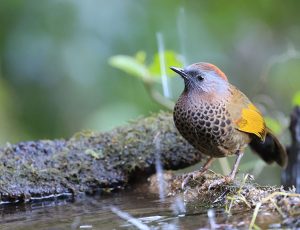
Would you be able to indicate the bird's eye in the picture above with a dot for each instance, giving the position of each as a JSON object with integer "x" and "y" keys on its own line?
{"x": 200, "y": 77}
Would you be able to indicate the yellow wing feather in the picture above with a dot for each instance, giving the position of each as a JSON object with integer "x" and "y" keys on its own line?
{"x": 252, "y": 121}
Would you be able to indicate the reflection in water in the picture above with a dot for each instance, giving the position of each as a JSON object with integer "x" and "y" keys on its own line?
{"x": 87, "y": 212}
{"x": 211, "y": 217}
{"x": 178, "y": 207}
{"x": 99, "y": 213}
{"x": 96, "y": 213}
{"x": 159, "y": 169}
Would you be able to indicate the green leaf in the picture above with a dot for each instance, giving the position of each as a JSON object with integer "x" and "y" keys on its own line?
{"x": 129, "y": 65}
{"x": 296, "y": 99}
{"x": 171, "y": 59}
{"x": 140, "y": 56}
{"x": 273, "y": 124}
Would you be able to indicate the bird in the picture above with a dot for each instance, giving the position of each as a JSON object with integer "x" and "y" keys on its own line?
{"x": 219, "y": 120}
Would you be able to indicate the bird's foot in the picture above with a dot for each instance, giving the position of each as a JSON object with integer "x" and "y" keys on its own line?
{"x": 189, "y": 177}
{"x": 224, "y": 180}
{"x": 186, "y": 180}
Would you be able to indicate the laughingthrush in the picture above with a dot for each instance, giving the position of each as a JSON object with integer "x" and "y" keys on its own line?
{"x": 219, "y": 120}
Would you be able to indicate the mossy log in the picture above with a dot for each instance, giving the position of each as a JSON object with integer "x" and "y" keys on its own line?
{"x": 92, "y": 162}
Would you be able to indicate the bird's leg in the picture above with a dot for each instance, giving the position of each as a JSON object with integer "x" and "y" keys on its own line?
{"x": 204, "y": 168}
{"x": 231, "y": 176}
{"x": 197, "y": 173}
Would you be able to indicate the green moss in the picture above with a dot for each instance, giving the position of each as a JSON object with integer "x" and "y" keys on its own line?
{"x": 91, "y": 162}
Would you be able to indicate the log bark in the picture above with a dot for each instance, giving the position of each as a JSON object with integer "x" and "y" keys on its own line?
{"x": 92, "y": 162}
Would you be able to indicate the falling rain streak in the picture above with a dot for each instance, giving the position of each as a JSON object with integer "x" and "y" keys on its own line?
{"x": 164, "y": 78}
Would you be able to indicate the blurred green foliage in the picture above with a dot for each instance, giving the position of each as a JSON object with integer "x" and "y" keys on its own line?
{"x": 296, "y": 99}
{"x": 136, "y": 66}
{"x": 149, "y": 74}
{"x": 171, "y": 59}
{"x": 274, "y": 125}
{"x": 55, "y": 78}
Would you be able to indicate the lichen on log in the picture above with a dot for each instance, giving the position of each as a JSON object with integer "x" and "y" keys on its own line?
{"x": 92, "y": 162}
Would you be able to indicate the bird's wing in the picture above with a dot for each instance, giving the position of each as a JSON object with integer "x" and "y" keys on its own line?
{"x": 251, "y": 121}
{"x": 246, "y": 116}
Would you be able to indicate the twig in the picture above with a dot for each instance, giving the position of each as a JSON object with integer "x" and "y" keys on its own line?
{"x": 265, "y": 200}
{"x": 157, "y": 96}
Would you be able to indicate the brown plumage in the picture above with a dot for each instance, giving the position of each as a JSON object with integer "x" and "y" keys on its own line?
{"x": 219, "y": 120}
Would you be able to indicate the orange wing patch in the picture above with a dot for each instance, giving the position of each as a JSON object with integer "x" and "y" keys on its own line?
{"x": 252, "y": 122}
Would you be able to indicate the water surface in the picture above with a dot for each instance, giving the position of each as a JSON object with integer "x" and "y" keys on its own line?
{"x": 96, "y": 213}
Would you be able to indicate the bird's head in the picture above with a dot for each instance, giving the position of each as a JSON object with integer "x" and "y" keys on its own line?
{"x": 203, "y": 77}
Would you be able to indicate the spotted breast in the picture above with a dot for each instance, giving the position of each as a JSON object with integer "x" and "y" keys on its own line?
{"x": 208, "y": 127}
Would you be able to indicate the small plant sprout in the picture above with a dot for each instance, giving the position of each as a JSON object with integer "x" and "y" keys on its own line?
{"x": 150, "y": 74}
{"x": 238, "y": 196}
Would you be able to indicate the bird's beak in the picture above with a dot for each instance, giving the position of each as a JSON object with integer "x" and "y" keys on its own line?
{"x": 180, "y": 71}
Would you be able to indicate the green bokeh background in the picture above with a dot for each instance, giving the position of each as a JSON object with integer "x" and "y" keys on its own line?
{"x": 54, "y": 73}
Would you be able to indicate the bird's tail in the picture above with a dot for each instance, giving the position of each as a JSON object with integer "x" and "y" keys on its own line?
{"x": 270, "y": 150}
